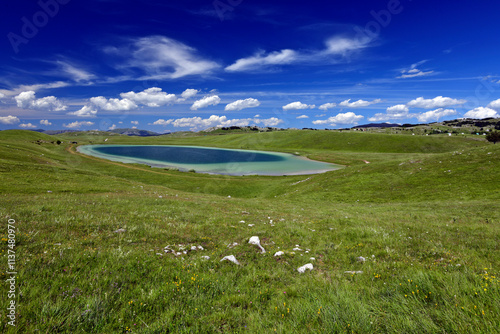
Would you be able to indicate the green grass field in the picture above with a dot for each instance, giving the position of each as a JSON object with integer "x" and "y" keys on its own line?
{"x": 91, "y": 234}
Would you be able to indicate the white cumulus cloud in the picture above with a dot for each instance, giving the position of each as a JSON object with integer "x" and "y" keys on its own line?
{"x": 298, "y": 106}
{"x": 358, "y": 103}
{"x": 86, "y": 111}
{"x": 9, "y": 119}
{"x": 27, "y": 126}
{"x": 45, "y": 122}
{"x": 112, "y": 104}
{"x": 242, "y": 104}
{"x": 198, "y": 123}
{"x": 188, "y": 93}
{"x": 327, "y": 106}
{"x": 437, "y": 102}
{"x": 302, "y": 116}
{"x": 481, "y": 112}
{"x": 28, "y": 100}
{"x": 151, "y": 97}
{"x": 212, "y": 100}
{"x": 397, "y": 109}
{"x": 134, "y": 122}
{"x": 434, "y": 115}
{"x": 76, "y": 125}
{"x": 341, "y": 118}
{"x": 494, "y": 105}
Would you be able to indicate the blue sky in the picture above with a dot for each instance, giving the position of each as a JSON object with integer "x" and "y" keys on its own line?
{"x": 189, "y": 65}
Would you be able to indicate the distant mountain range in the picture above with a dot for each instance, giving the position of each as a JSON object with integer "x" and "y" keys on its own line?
{"x": 128, "y": 132}
{"x": 377, "y": 125}
{"x": 494, "y": 123}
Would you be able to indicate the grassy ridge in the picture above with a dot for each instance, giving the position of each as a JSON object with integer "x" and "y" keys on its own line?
{"x": 424, "y": 213}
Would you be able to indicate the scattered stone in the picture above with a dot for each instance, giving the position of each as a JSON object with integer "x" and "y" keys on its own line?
{"x": 193, "y": 248}
{"x": 232, "y": 245}
{"x": 205, "y": 257}
{"x": 297, "y": 249}
{"x": 250, "y": 225}
{"x": 352, "y": 272}
{"x": 242, "y": 221}
{"x": 312, "y": 258}
{"x": 120, "y": 230}
{"x": 279, "y": 253}
{"x": 304, "y": 267}
{"x": 230, "y": 258}
{"x": 245, "y": 213}
{"x": 201, "y": 247}
{"x": 360, "y": 259}
{"x": 256, "y": 241}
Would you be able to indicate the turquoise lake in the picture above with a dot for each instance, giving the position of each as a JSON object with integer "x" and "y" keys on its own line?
{"x": 210, "y": 160}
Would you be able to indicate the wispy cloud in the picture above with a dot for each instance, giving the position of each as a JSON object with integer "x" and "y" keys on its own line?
{"x": 261, "y": 60}
{"x": 336, "y": 50}
{"x": 413, "y": 71}
{"x": 74, "y": 72}
{"x": 161, "y": 58}
{"x": 35, "y": 87}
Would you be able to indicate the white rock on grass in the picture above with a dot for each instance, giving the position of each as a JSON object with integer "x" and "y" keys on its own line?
{"x": 352, "y": 272}
{"x": 200, "y": 247}
{"x": 279, "y": 253}
{"x": 304, "y": 267}
{"x": 256, "y": 241}
{"x": 297, "y": 249}
{"x": 360, "y": 259}
{"x": 230, "y": 258}
{"x": 193, "y": 248}
{"x": 206, "y": 257}
{"x": 232, "y": 245}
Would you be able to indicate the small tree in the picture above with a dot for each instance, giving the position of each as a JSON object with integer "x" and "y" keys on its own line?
{"x": 493, "y": 137}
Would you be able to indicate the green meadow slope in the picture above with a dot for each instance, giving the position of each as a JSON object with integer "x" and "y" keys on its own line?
{"x": 422, "y": 211}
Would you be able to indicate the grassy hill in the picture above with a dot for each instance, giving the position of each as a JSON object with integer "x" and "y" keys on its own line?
{"x": 91, "y": 237}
